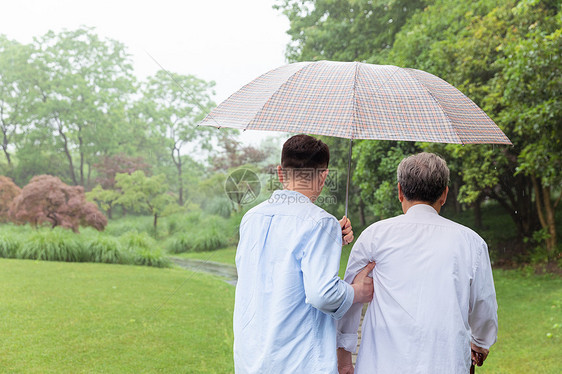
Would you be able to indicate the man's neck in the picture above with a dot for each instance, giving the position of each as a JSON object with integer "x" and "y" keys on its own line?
{"x": 406, "y": 204}
{"x": 305, "y": 190}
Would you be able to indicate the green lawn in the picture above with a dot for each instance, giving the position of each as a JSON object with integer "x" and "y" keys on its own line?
{"x": 530, "y": 319}
{"x": 530, "y": 324}
{"x": 96, "y": 318}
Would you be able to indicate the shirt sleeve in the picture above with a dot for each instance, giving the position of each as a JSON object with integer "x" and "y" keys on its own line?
{"x": 483, "y": 307}
{"x": 320, "y": 265}
{"x": 348, "y": 326}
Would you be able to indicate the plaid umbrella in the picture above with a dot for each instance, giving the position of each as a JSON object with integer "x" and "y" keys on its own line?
{"x": 357, "y": 101}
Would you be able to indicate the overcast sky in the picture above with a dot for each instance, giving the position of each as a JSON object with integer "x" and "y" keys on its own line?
{"x": 228, "y": 41}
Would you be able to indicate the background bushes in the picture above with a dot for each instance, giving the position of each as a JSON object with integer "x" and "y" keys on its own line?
{"x": 127, "y": 240}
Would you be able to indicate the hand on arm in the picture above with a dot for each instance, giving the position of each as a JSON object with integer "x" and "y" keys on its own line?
{"x": 346, "y": 230}
{"x": 345, "y": 365}
{"x": 363, "y": 285}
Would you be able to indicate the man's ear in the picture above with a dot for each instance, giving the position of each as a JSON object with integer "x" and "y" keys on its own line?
{"x": 443, "y": 198}
{"x": 280, "y": 174}
{"x": 323, "y": 175}
{"x": 400, "y": 193}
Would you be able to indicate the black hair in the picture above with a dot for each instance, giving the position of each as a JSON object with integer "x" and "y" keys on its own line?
{"x": 304, "y": 152}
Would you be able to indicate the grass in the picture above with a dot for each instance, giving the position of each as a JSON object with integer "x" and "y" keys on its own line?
{"x": 97, "y": 318}
{"x": 530, "y": 324}
{"x": 224, "y": 256}
{"x": 530, "y": 318}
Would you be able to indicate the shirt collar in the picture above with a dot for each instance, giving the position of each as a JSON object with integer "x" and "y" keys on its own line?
{"x": 421, "y": 208}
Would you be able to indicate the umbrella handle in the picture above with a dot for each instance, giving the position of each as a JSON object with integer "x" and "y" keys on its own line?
{"x": 348, "y": 177}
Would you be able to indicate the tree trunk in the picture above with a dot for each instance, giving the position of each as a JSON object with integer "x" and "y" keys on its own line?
{"x": 180, "y": 180}
{"x": 155, "y": 221}
{"x": 177, "y": 162}
{"x": 67, "y": 153}
{"x": 545, "y": 210}
{"x": 5, "y": 149}
{"x": 457, "y": 204}
{"x": 362, "y": 221}
{"x": 5, "y": 141}
{"x": 478, "y": 212}
{"x": 89, "y": 175}
{"x": 81, "y": 151}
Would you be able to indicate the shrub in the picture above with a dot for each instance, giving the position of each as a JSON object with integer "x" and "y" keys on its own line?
{"x": 8, "y": 192}
{"x": 207, "y": 235}
{"x": 53, "y": 245}
{"x": 9, "y": 247}
{"x": 220, "y": 206}
{"x": 149, "y": 257}
{"x": 48, "y": 200}
{"x": 142, "y": 250}
{"x": 106, "y": 250}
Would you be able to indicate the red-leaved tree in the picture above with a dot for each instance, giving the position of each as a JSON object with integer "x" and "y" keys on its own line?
{"x": 118, "y": 164}
{"x": 46, "y": 199}
{"x": 8, "y": 192}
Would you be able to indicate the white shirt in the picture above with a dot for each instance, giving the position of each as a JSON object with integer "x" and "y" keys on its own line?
{"x": 288, "y": 293}
{"x": 434, "y": 293}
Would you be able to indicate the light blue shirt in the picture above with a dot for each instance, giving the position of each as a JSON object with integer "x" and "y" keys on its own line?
{"x": 288, "y": 294}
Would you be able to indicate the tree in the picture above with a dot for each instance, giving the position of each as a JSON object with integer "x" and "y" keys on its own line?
{"x": 16, "y": 94}
{"x": 85, "y": 83}
{"x": 172, "y": 105}
{"x": 375, "y": 174}
{"x": 8, "y": 192}
{"x": 48, "y": 200}
{"x": 505, "y": 56}
{"x": 502, "y": 55}
{"x": 142, "y": 193}
{"x": 110, "y": 166}
{"x": 236, "y": 154}
{"x": 348, "y": 30}
{"x": 530, "y": 91}
{"x": 105, "y": 198}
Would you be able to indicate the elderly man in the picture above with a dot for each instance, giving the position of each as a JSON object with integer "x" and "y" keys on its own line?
{"x": 289, "y": 294}
{"x": 434, "y": 293}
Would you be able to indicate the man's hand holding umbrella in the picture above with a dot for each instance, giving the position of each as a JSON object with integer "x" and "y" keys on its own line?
{"x": 346, "y": 231}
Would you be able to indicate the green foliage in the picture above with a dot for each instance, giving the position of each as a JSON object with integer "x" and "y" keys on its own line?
{"x": 83, "y": 83}
{"x": 375, "y": 174}
{"x": 53, "y": 245}
{"x": 207, "y": 235}
{"x": 9, "y": 246}
{"x": 349, "y": 30}
{"x": 105, "y": 249}
{"x": 171, "y": 105}
{"x": 505, "y": 56}
{"x": 104, "y": 198}
{"x": 91, "y": 246}
{"x": 144, "y": 194}
{"x": 143, "y": 249}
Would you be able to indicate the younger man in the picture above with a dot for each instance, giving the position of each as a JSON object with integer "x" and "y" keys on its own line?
{"x": 289, "y": 293}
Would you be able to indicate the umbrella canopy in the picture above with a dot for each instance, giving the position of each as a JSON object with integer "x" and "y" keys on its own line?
{"x": 357, "y": 101}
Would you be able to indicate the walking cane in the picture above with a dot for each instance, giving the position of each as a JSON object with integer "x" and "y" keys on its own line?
{"x": 479, "y": 361}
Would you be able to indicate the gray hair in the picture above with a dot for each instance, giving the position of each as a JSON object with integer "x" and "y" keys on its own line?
{"x": 423, "y": 177}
